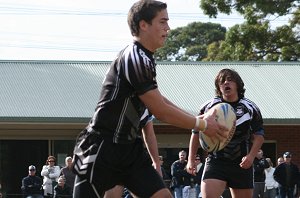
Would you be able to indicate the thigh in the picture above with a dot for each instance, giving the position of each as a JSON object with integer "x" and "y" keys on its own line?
{"x": 237, "y": 193}
{"x": 212, "y": 188}
{"x": 115, "y": 192}
{"x": 230, "y": 172}
{"x": 95, "y": 168}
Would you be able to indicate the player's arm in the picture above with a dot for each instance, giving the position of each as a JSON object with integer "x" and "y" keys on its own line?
{"x": 247, "y": 161}
{"x": 193, "y": 148}
{"x": 151, "y": 145}
{"x": 258, "y": 141}
{"x": 167, "y": 113}
{"x": 172, "y": 104}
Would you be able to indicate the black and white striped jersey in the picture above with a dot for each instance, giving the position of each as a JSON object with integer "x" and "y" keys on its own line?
{"x": 249, "y": 121}
{"x": 119, "y": 110}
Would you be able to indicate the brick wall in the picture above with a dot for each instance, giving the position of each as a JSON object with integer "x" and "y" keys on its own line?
{"x": 287, "y": 137}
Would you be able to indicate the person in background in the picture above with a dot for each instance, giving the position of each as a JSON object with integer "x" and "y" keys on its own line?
{"x": 178, "y": 174}
{"x": 287, "y": 176}
{"x": 233, "y": 165}
{"x": 68, "y": 173}
{"x": 107, "y": 151}
{"x": 270, "y": 184}
{"x": 62, "y": 190}
{"x": 165, "y": 175}
{"x": 32, "y": 184}
{"x": 199, "y": 170}
{"x": 50, "y": 172}
{"x": 280, "y": 160}
{"x": 259, "y": 164}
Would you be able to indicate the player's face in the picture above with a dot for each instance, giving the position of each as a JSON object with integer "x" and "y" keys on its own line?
{"x": 228, "y": 88}
{"x": 157, "y": 31}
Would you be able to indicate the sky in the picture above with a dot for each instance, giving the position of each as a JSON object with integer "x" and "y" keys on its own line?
{"x": 87, "y": 30}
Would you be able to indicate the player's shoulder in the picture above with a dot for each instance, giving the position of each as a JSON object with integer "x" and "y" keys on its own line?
{"x": 210, "y": 103}
{"x": 248, "y": 102}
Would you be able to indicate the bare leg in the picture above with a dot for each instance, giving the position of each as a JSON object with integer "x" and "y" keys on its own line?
{"x": 163, "y": 193}
{"x": 115, "y": 192}
{"x": 245, "y": 193}
{"x": 212, "y": 188}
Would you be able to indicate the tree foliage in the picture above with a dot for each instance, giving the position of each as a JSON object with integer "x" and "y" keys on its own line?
{"x": 256, "y": 42}
{"x": 257, "y": 7}
{"x": 190, "y": 42}
{"x": 254, "y": 39}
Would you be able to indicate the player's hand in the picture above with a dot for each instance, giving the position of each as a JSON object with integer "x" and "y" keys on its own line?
{"x": 157, "y": 168}
{"x": 247, "y": 162}
{"x": 213, "y": 127}
{"x": 191, "y": 167}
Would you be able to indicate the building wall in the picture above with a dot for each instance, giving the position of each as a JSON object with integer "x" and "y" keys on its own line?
{"x": 286, "y": 138}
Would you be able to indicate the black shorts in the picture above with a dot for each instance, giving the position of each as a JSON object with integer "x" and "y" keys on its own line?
{"x": 229, "y": 171}
{"x": 100, "y": 164}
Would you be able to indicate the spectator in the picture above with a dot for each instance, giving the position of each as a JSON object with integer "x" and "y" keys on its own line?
{"x": 50, "y": 172}
{"x": 62, "y": 190}
{"x": 199, "y": 170}
{"x": 287, "y": 175}
{"x": 270, "y": 183}
{"x": 259, "y": 164}
{"x": 163, "y": 171}
{"x": 32, "y": 184}
{"x": 178, "y": 173}
{"x": 279, "y": 160}
{"x": 68, "y": 173}
{"x": 189, "y": 190}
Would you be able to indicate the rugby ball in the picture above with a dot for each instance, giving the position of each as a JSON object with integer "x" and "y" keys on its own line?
{"x": 225, "y": 115}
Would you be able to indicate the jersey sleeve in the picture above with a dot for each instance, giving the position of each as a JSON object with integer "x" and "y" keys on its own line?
{"x": 140, "y": 71}
{"x": 257, "y": 122}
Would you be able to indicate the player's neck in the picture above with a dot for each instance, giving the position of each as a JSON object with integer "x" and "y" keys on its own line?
{"x": 231, "y": 98}
{"x": 145, "y": 43}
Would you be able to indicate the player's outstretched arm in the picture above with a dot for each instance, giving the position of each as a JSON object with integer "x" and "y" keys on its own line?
{"x": 193, "y": 148}
{"x": 167, "y": 113}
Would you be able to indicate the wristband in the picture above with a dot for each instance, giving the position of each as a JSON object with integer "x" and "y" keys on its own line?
{"x": 197, "y": 124}
{"x": 195, "y": 132}
{"x": 205, "y": 126}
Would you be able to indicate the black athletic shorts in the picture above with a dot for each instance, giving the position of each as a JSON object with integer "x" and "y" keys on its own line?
{"x": 100, "y": 164}
{"x": 228, "y": 171}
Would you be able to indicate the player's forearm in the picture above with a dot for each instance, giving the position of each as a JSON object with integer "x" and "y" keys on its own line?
{"x": 258, "y": 141}
{"x": 172, "y": 104}
{"x": 169, "y": 113}
{"x": 151, "y": 142}
{"x": 193, "y": 146}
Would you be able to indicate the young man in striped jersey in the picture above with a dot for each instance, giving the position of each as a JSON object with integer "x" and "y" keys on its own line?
{"x": 109, "y": 151}
{"x": 233, "y": 165}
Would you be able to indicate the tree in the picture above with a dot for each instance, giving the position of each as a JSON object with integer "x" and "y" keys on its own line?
{"x": 190, "y": 43}
{"x": 256, "y": 42}
{"x": 258, "y": 7}
{"x": 254, "y": 39}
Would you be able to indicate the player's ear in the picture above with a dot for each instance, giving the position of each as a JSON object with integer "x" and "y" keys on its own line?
{"x": 143, "y": 25}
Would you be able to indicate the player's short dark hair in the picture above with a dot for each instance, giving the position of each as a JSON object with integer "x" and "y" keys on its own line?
{"x": 143, "y": 10}
{"x": 221, "y": 77}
